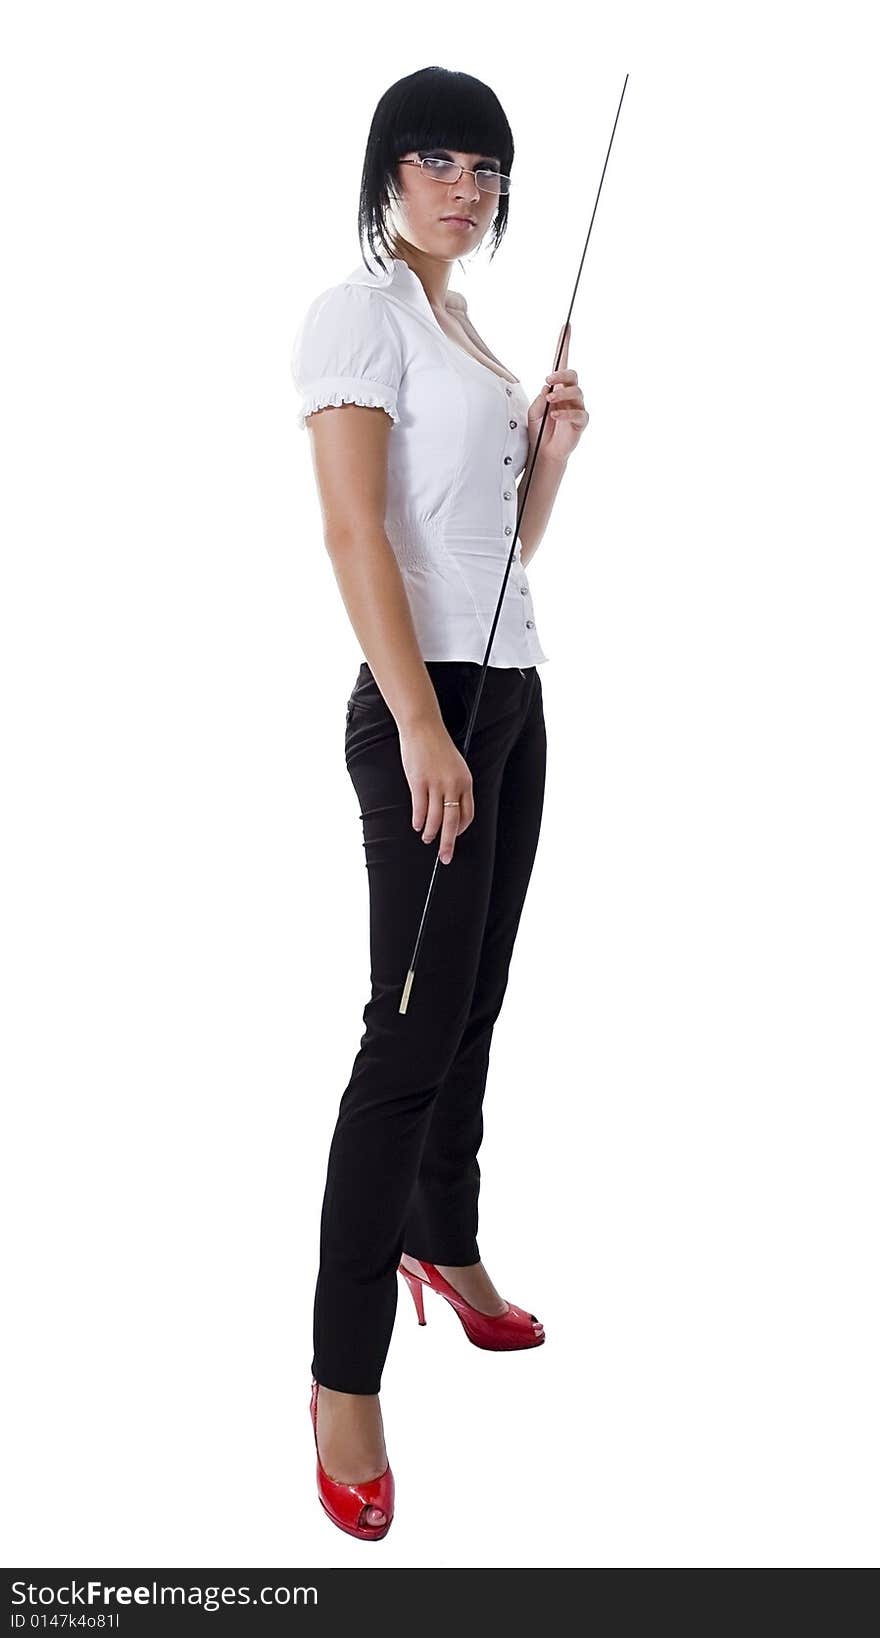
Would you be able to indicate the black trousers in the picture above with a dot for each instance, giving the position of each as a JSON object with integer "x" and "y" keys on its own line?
{"x": 403, "y": 1174}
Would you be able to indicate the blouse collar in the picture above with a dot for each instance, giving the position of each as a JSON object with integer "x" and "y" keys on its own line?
{"x": 407, "y": 287}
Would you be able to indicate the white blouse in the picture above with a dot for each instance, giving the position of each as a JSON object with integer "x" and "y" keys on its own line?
{"x": 458, "y": 442}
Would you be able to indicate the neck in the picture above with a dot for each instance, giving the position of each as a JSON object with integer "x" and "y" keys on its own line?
{"x": 433, "y": 273}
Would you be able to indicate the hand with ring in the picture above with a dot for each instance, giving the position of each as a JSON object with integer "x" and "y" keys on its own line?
{"x": 440, "y": 782}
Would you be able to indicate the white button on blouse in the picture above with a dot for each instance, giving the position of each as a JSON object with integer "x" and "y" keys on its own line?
{"x": 458, "y": 442}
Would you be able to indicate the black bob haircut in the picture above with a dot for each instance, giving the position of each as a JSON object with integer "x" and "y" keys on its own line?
{"x": 433, "y": 108}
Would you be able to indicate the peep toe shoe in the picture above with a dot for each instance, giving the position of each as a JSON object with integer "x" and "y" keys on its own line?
{"x": 515, "y": 1328}
{"x": 348, "y": 1505}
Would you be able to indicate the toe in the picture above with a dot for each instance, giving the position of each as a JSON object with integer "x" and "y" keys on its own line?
{"x": 373, "y": 1515}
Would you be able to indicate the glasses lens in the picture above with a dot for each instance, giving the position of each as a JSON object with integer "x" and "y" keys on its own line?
{"x": 442, "y": 170}
{"x": 492, "y": 182}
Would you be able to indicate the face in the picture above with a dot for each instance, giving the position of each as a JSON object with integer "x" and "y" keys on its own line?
{"x": 418, "y": 216}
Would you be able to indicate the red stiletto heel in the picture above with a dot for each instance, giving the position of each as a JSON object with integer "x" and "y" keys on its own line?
{"x": 499, "y": 1332}
{"x": 347, "y": 1504}
{"x": 415, "y": 1286}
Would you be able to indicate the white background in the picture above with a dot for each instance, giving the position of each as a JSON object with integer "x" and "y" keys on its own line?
{"x": 680, "y": 1160}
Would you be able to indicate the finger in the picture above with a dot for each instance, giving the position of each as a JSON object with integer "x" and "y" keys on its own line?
{"x": 566, "y": 392}
{"x": 420, "y": 804}
{"x": 449, "y": 832}
{"x": 466, "y": 811}
{"x": 435, "y": 814}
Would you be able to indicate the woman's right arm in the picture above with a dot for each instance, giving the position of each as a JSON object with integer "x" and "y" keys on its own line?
{"x": 350, "y": 454}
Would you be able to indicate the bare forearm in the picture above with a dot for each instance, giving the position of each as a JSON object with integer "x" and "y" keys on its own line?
{"x": 543, "y": 490}
{"x": 375, "y": 597}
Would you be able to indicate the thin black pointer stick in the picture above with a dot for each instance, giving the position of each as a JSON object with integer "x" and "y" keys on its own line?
{"x": 523, "y": 496}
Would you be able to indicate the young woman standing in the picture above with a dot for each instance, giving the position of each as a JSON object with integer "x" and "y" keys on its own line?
{"x": 419, "y": 435}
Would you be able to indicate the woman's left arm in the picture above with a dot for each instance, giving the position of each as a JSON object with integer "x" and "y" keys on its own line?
{"x": 566, "y": 420}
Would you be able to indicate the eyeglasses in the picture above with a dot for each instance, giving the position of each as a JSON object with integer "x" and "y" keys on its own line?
{"x": 446, "y": 170}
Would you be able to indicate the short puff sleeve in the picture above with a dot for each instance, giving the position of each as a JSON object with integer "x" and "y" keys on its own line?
{"x": 347, "y": 351}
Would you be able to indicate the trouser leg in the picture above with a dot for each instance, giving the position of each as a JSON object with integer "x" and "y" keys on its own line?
{"x": 442, "y": 1222}
{"x": 403, "y": 1059}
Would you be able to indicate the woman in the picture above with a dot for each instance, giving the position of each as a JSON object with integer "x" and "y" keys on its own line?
{"x": 418, "y": 436}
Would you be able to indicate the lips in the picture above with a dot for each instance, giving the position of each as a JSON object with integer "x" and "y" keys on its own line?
{"x": 461, "y": 220}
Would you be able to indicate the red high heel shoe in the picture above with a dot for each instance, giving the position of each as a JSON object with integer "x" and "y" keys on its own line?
{"x": 347, "y": 1504}
{"x": 513, "y": 1329}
